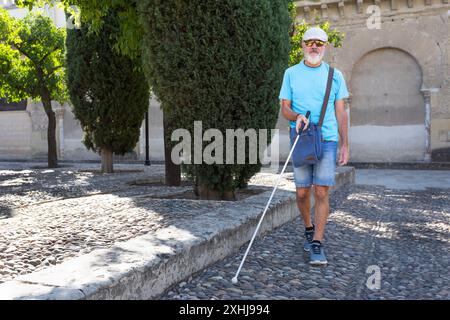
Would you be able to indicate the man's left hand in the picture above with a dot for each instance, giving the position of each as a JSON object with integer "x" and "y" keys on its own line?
{"x": 343, "y": 155}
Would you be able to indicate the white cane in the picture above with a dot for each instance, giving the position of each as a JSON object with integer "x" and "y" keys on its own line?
{"x": 235, "y": 279}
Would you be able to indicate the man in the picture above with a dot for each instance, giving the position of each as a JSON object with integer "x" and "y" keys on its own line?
{"x": 303, "y": 90}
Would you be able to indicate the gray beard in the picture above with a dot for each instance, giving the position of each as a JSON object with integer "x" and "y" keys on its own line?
{"x": 313, "y": 59}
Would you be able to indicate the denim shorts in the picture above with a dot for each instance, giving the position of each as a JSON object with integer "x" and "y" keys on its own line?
{"x": 321, "y": 173}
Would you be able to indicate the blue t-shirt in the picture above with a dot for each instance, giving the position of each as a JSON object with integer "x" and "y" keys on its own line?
{"x": 305, "y": 87}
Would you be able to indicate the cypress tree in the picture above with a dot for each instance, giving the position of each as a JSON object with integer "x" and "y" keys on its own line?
{"x": 109, "y": 91}
{"x": 219, "y": 62}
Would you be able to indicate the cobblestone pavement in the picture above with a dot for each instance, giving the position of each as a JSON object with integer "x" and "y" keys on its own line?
{"x": 47, "y": 216}
{"x": 53, "y": 215}
{"x": 21, "y": 186}
{"x": 403, "y": 234}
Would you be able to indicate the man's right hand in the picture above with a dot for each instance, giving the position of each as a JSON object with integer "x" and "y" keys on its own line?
{"x": 301, "y": 119}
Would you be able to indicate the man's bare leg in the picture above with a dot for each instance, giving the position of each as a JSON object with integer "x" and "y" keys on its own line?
{"x": 304, "y": 205}
{"x": 322, "y": 209}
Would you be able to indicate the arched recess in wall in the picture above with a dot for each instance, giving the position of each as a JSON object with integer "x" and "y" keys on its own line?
{"x": 387, "y": 118}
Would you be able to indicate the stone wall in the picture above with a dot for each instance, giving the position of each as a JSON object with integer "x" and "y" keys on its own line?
{"x": 15, "y": 135}
{"x": 23, "y": 135}
{"x": 398, "y": 75}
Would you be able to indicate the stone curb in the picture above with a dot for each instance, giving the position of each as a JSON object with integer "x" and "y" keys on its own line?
{"x": 402, "y": 165}
{"x": 146, "y": 266}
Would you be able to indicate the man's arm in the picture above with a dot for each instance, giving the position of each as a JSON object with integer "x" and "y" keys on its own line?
{"x": 342, "y": 119}
{"x": 286, "y": 111}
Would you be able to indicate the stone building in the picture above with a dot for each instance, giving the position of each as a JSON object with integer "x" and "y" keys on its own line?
{"x": 395, "y": 58}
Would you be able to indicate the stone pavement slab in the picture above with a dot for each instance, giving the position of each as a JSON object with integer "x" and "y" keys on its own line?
{"x": 404, "y": 179}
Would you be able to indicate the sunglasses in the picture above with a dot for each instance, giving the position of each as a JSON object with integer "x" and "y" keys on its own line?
{"x": 319, "y": 43}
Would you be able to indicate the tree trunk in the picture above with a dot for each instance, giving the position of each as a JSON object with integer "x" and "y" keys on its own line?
{"x": 196, "y": 191}
{"x": 107, "y": 160}
{"x": 206, "y": 193}
{"x": 229, "y": 196}
{"x": 52, "y": 155}
{"x": 173, "y": 171}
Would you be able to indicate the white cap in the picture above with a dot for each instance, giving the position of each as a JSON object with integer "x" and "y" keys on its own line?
{"x": 315, "y": 33}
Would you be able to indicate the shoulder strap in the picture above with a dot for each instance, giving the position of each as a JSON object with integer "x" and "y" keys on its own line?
{"x": 327, "y": 95}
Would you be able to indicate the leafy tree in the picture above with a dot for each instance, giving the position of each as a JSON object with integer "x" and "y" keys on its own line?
{"x": 219, "y": 62}
{"x": 109, "y": 92}
{"x": 32, "y": 66}
{"x": 129, "y": 33}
